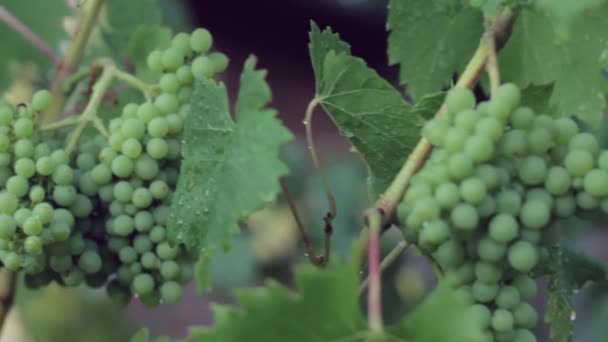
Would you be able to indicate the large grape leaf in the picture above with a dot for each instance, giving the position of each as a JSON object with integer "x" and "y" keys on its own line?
{"x": 569, "y": 270}
{"x": 230, "y": 168}
{"x": 431, "y": 42}
{"x": 326, "y": 308}
{"x": 533, "y": 56}
{"x": 563, "y": 13}
{"x": 123, "y": 18}
{"x": 43, "y": 18}
{"x": 368, "y": 111}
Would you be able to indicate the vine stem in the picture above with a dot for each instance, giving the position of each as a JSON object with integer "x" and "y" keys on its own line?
{"x": 13, "y": 22}
{"x": 374, "y": 298}
{"x": 72, "y": 58}
{"x": 388, "y": 260}
{"x": 492, "y": 67}
{"x": 8, "y": 291}
{"x": 315, "y": 158}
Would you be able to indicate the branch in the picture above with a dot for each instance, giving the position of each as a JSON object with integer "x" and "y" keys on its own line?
{"x": 321, "y": 260}
{"x": 374, "y": 295}
{"x": 388, "y": 260}
{"x": 492, "y": 64}
{"x": 72, "y": 58}
{"x": 7, "y": 294}
{"x": 13, "y": 22}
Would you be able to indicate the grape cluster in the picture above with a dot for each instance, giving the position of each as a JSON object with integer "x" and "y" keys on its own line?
{"x": 38, "y": 201}
{"x": 486, "y": 205}
{"x": 99, "y": 216}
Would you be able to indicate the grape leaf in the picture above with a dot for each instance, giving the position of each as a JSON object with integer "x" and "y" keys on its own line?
{"x": 368, "y": 111}
{"x": 229, "y": 169}
{"x": 532, "y": 56}
{"x": 123, "y": 19}
{"x": 326, "y": 308}
{"x": 443, "y": 305}
{"x": 44, "y": 20}
{"x": 144, "y": 40}
{"x": 431, "y": 42}
{"x": 537, "y": 97}
{"x": 563, "y": 13}
{"x": 569, "y": 270}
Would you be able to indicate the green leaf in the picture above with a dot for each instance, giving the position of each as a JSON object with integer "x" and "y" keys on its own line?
{"x": 143, "y": 335}
{"x": 230, "y": 168}
{"x": 431, "y": 42}
{"x": 443, "y": 316}
{"x": 537, "y": 97}
{"x": 532, "y": 56}
{"x": 123, "y": 19}
{"x": 144, "y": 40}
{"x": 569, "y": 270}
{"x": 563, "y": 13}
{"x": 428, "y": 106}
{"x": 326, "y": 308}
{"x": 43, "y": 18}
{"x": 368, "y": 111}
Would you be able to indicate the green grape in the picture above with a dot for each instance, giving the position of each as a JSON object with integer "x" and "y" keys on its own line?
{"x": 586, "y": 201}
{"x": 504, "y": 100}
{"x": 169, "y": 83}
{"x": 201, "y": 40}
{"x": 491, "y": 250}
{"x": 433, "y": 130}
{"x": 33, "y": 245}
{"x": 522, "y": 118}
{"x": 181, "y": 42}
{"x": 8, "y": 227}
{"x": 558, "y": 180}
{"x": 144, "y": 221}
{"x": 154, "y": 61}
{"x": 159, "y": 190}
{"x": 596, "y": 183}
{"x": 526, "y": 286}
{"x": 76, "y": 244}
{"x": 522, "y": 335}
{"x": 60, "y": 263}
{"x": 23, "y": 128}
{"x": 136, "y": 128}
{"x": 141, "y": 198}
{"x": 565, "y": 129}
{"x": 149, "y": 260}
{"x": 101, "y": 174}
{"x": 44, "y": 212}
{"x": 539, "y": 140}
{"x": 503, "y": 228}
{"x": 508, "y": 201}
{"x": 523, "y": 256}
{"x": 146, "y": 168}
{"x": 63, "y": 175}
{"x": 158, "y": 127}
{"x": 123, "y": 225}
{"x": 533, "y": 170}
{"x": 502, "y": 320}
{"x": 464, "y": 216}
{"x": 85, "y": 161}
{"x": 174, "y": 149}
{"x": 127, "y": 255}
{"x": 60, "y": 157}
{"x": 4, "y": 143}
{"x": 171, "y": 292}
{"x": 117, "y": 208}
{"x": 450, "y": 254}
{"x": 202, "y": 68}
{"x": 460, "y": 166}
{"x": 508, "y": 297}
{"x": 122, "y": 166}
{"x": 473, "y": 190}
{"x": 514, "y": 143}
{"x": 434, "y": 233}
{"x": 535, "y": 214}
{"x": 483, "y": 292}
{"x": 455, "y": 139}
{"x": 172, "y": 59}
{"x": 8, "y": 203}
{"x": 169, "y": 270}
{"x": 23, "y": 148}
{"x": 157, "y": 234}
{"x": 578, "y": 162}
{"x": 82, "y": 207}
{"x": 184, "y": 74}
{"x": 142, "y": 244}
{"x": 64, "y": 195}
{"x": 220, "y": 61}
{"x": 157, "y": 148}
{"x": 479, "y": 147}
{"x": 90, "y": 262}
{"x": 41, "y": 100}
{"x": 165, "y": 251}
{"x": 130, "y": 110}
{"x": 123, "y": 191}
{"x": 481, "y": 313}
{"x": 490, "y": 127}
{"x": 131, "y": 148}
{"x": 143, "y": 284}
{"x": 466, "y": 119}
{"x": 17, "y": 185}
{"x": 60, "y": 231}
{"x": 459, "y": 99}
{"x": 584, "y": 141}
{"x": 185, "y": 274}
{"x": 25, "y": 167}
{"x": 11, "y": 261}
{"x": 167, "y": 103}
{"x": 63, "y": 216}
{"x": 32, "y": 226}
{"x": 487, "y": 272}
{"x": 145, "y": 113}
{"x": 6, "y": 115}
{"x": 525, "y": 316}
